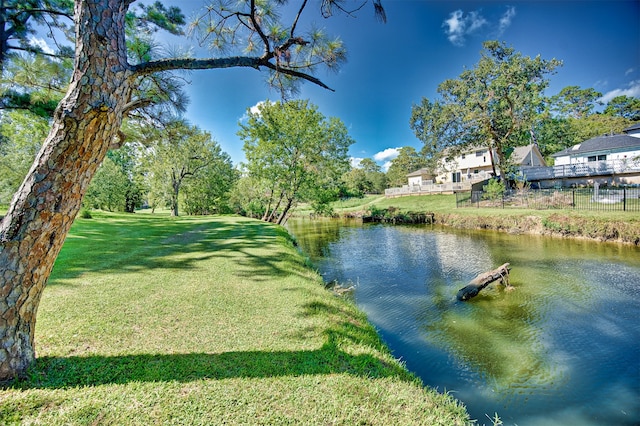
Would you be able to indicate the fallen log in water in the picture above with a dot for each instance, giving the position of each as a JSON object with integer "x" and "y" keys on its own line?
{"x": 481, "y": 281}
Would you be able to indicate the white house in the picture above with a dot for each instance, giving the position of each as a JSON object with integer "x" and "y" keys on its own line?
{"x": 624, "y": 147}
{"x": 475, "y": 164}
{"x": 420, "y": 177}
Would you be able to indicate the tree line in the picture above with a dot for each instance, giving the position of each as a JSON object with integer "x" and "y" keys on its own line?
{"x": 170, "y": 163}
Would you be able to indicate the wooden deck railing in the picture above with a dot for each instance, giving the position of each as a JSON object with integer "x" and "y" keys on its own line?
{"x": 593, "y": 168}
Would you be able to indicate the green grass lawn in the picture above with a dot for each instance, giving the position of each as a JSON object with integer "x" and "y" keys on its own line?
{"x": 149, "y": 319}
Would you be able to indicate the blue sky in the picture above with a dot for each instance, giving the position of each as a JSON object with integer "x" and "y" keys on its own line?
{"x": 392, "y": 66}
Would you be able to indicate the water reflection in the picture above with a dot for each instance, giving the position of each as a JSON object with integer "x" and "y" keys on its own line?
{"x": 554, "y": 351}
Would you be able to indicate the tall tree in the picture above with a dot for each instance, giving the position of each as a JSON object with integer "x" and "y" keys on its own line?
{"x": 118, "y": 183}
{"x": 489, "y": 105}
{"x": 178, "y": 153}
{"x": 87, "y": 121}
{"x": 297, "y": 151}
{"x": 624, "y": 106}
{"x": 575, "y": 102}
{"x": 408, "y": 160}
{"x": 210, "y": 192}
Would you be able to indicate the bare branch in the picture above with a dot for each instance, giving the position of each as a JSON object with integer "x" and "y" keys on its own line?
{"x": 216, "y": 63}
{"x": 295, "y": 22}
{"x": 298, "y": 74}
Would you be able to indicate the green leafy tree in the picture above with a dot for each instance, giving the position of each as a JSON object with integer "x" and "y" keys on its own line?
{"x": 180, "y": 153}
{"x": 21, "y": 136}
{"x": 489, "y": 105}
{"x": 575, "y": 102}
{"x": 355, "y": 183}
{"x": 408, "y": 160}
{"x": 375, "y": 177}
{"x": 570, "y": 118}
{"x": 366, "y": 177}
{"x": 625, "y": 107}
{"x": 249, "y": 197}
{"x": 118, "y": 184}
{"x": 209, "y": 192}
{"x": 86, "y": 124}
{"x": 108, "y": 189}
{"x": 296, "y": 152}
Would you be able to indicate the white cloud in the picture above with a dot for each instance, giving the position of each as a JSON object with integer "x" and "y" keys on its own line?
{"x": 42, "y": 44}
{"x": 355, "y": 161}
{"x": 460, "y": 25}
{"x": 385, "y": 166}
{"x": 505, "y": 20}
{"x": 474, "y": 22}
{"x": 629, "y": 71}
{"x": 632, "y": 91}
{"x": 386, "y": 155}
{"x": 254, "y": 110}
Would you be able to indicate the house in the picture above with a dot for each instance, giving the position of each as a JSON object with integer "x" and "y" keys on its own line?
{"x": 609, "y": 159}
{"x": 475, "y": 164}
{"x": 528, "y": 156}
{"x": 623, "y": 147}
{"x": 420, "y": 177}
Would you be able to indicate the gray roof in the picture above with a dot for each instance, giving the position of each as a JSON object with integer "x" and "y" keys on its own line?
{"x": 635, "y": 126}
{"x": 600, "y": 144}
{"x": 420, "y": 172}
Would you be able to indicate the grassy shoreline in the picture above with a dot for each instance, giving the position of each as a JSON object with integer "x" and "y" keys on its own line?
{"x": 149, "y": 319}
{"x": 617, "y": 227}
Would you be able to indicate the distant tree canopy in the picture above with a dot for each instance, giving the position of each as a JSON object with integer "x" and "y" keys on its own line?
{"x": 571, "y": 117}
{"x": 181, "y": 157}
{"x": 408, "y": 160}
{"x": 295, "y": 154}
{"x": 366, "y": 177}
{"x": 21, "y": 136}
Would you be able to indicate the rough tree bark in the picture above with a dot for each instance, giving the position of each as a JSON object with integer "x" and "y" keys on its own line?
{"x": 43, "y": 209}
{"x": 85, "y": 124}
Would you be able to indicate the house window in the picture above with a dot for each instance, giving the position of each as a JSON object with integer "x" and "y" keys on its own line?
{"x": 602, "y": 157}
{"x": 476, "y": 171}
{"x": 463, "y": 155}
{"x": 456, "y": 177}
{"x": 479, "y": 153}
{"x": 591, "y": 158}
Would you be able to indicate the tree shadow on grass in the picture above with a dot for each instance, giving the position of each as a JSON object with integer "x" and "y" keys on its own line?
{"x": 120, "y": 248}
{"x": 67, "y": 372}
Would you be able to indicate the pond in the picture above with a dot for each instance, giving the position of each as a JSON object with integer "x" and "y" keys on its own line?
{"x": 562, "y": 348}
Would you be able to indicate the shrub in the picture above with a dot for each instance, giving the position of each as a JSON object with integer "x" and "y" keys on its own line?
{"x": 494, "y": 189}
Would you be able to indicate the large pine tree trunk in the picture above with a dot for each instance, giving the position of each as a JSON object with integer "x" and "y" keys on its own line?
{"x": 43, "y": 209}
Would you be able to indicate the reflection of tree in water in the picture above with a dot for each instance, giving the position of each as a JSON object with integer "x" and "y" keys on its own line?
{"x": 498, "y": 334}
{"x": 315, "y": 235}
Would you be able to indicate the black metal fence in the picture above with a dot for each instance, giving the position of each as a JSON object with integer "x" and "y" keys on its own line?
{"x": 622, "y": 199}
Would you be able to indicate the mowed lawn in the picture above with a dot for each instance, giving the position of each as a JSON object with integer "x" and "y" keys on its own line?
{"x": 149, "y": 319}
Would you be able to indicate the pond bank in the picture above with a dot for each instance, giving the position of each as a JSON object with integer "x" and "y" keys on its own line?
{"x": 556, "y": 225}
{"x": 620, "y": 228}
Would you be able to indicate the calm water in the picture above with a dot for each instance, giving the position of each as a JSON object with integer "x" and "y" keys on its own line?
{"x": 563, "y": 348}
